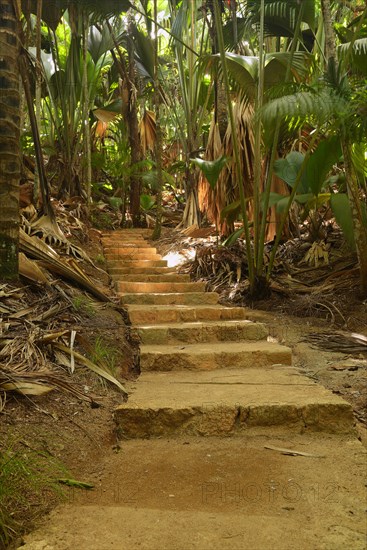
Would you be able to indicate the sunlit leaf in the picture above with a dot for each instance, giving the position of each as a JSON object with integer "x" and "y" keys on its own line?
{"x": 211, "y": 168}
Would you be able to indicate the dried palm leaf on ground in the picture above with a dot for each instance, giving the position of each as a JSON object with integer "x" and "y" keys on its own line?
{"x": 38, "y": 383}
{"x": 29, "y": 351}
{"x": 49, "y": 259}
{"x": 92, "y": 366}
{"x": 337, "y": 341}
{"x": 31, "y": 270}
{"x": 31, "y": 355}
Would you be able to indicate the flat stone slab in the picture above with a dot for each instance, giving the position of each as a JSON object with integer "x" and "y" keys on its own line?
{"x": 128, "y": 263}
{"x": 125, "y": 244}
{"x": 141, "y": 270}
{"x": 130, "y": 250}
{"x": 208, "y": 356}
{"x": 230, "y": 402}
{"x": 152, "y": 278}
{"x": 197, "y": 332}
{"x": 131, "y": 256}
{"x": 140, "y": 314}
{"x": 170, "y": 298}
{"x": 123, "y": 286}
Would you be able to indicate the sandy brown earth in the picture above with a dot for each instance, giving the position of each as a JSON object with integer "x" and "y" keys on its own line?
{"x": 200, "y": 493}
{"x": 221, "y": 487}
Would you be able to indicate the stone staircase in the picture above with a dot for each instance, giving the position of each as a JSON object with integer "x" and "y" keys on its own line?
{"x": 205, "y": 368}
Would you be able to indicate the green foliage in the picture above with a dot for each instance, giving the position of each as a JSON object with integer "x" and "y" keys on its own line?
{"x": 28, "y": 480}
{"x": 211, "y": 168}
{"x": 281, "y": 16}
{"x": 105, "y": 355}
{"x": 82, "y": 304}
{"x": 147, "y": 202}
{"x": 100, "y": 259}
{"x": 343, "y": 215}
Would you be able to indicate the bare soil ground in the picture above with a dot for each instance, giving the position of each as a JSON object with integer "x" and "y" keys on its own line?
{"x": 83, "y": 439}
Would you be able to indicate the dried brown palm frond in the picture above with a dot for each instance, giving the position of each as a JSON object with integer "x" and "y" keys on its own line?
{"x": 26, "y": 359}
{"x": 344, "y": 343}
{"x": 2, "y": 400}
{"x": 34, "y": 358}
{"x": 148, "y": 131}
{"x": 38, "y": 383}
{"x": 31, "y": 270}
{"x": 49, "y": 259}
{"x": 226, "y": 191}
{"x": 49, "y": 232}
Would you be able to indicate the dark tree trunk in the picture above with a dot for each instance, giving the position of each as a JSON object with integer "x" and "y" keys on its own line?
{"x": 9, "y": 141}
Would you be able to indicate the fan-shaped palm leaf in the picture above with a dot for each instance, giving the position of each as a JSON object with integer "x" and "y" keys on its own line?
{"x": 281, "y": 15}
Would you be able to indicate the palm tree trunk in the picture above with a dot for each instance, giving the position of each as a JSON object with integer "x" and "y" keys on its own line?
{"x": 158, "y": 144}
{"x": 133, "y": 125}
{"x": 330, "y": 48}
{"x": 9, "y": 141}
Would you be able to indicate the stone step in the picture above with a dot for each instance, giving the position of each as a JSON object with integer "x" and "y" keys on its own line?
{"x": 132, "y": 257}
{"x": 230, "y": 402}
{"x": 141, "y": 270}
{"x": 130, "y": 251}
{"x": 185, "y": 298}
{"x": 128, "y": 262}
{"x": 140, "y": 314}
{"x": 208, "y": 356}
{"x": 138, "y": 243}
{"x": 128, "y": 233}
{"x": 159, "y": 287}
{"x": 126, "y": 244}
{"x": 199, "y": 332}
{"x": 152, "y": 278}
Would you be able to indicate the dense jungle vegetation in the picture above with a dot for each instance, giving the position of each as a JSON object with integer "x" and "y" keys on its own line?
{"x": 250, "y": 115}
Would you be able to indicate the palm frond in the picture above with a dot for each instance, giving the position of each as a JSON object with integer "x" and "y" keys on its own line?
{"x": 358, "y": 57}
{"x": 359, "y": 47}
{"x": 304, "y": 106}
{"x": 281, "y": 15}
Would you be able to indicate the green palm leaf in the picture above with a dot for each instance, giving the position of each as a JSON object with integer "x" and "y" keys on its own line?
{"x": 358, "y": 54}
{"x": 281, "y": 15}
{"x": 302, "y": 106}
{"x": 211, "y": 168}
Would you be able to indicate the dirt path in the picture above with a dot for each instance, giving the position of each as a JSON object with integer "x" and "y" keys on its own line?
{"x": 242, "y": 492}
{"x": 217, "y": 493}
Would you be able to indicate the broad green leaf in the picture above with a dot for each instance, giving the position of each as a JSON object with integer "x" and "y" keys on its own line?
{"x": 147, "y": 202}
{"x": 211, "y": 168}
{"x": 327, "y": 153}
{"x": 343, "y": 215}
{"x": 244, "y": 69}
{"x": 274, "y": 198}
{"x": 304, "y": 198}
{"x": 231, "y": 211}
{"x": 282, "y": 205}
{"x": 358, "y": 59}
{"x": 288, "y": 168}
{"x": 281, "y": 16}
{"x": 145, "y": 51}
{"x": 115, "y": 202}
{"x": 233, "y": 237}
